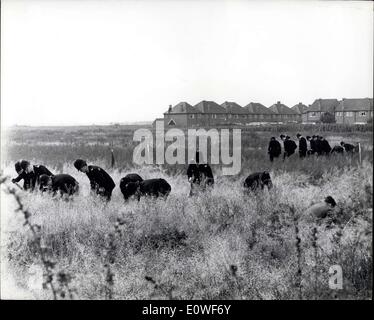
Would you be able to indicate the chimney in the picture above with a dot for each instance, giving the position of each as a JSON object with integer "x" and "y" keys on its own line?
{"x": 278, "y": 102}
{"x": 170, "y": 107}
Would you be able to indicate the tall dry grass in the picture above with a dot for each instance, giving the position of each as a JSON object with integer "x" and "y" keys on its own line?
{"x": 224, "y": 244}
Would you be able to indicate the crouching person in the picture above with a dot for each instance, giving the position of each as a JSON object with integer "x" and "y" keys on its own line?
{"x": 101, "y": 182}
{"x": 257, "y": 181}
{"x": 63, "y": 184}
{"x": 151, "y": 187}
{"x": 30, "y": 174}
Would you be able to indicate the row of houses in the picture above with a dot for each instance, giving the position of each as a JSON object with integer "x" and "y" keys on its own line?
{"x": 210, "y": 113}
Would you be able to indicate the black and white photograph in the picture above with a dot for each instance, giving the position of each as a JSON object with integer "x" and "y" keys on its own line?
{"x": 186, "y": 150}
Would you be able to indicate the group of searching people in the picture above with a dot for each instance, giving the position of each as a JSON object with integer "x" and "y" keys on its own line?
{"x": 318, "y": 146}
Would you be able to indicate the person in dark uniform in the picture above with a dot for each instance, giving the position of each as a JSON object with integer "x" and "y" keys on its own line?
{"x": 318, "y": 144}
{"x": 30, "y": 174}
{"x": 274, "y": 149}
{"x": 289, "y": 146}
{"x": 349, "y": 148}
{"x": 199, "y": 175}
{"x": 337, "y": 149}
{"x": 101, "y": 182}
{"x": 62, "y": 183}
{"x": 303, "y": 147}
{"x": 326, "y": 148}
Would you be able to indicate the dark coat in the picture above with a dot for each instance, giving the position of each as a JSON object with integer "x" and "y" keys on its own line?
{"x": 99, "y": 178}
{"x": 258, "y": 180}
{"x": 349, "y": 147}
{"x": 289, "y": 147}
{"x": 193, "y": 173}
{"x": 65, "y": 184}
{"x": 154, "y": 187}
{"x": 303, "y": 147}
{"x": 151, "y": 187}
{"x": 126, "y": 189}
{"x": 326, "y": 148}
{"x": 337, "y": 149}
{"x": 32, "y": 179}
{"x": 274, "y": 148}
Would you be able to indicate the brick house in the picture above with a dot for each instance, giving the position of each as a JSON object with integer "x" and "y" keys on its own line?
{"x": 318, "y": 108}
{"x": 300, "y": 108}
{"x": 284, "y": 113}
{"x": 182, "y": 115}
{"x": 354, "y": 111}
{"x": 257, "y": 112}
{"x": 235, "y": 114}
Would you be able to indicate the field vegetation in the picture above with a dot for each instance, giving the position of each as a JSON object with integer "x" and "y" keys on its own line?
{"x": 223, "y": 244}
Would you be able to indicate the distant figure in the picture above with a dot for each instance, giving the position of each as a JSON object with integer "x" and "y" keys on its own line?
{"x": 337, "y": 149}
{"x": 322, "y": 209}
{"x": 312, "y": 143}
{"x": 274, "y": 149}
{"x": 326, "y": 148}
{"x": 30, "y": 174}
{"x": 258, "y": 180}
{"x": 349, "y": 148}
{"x": 318, "y": 145}
{"x": 303, "y": 147}
{"x": 289, "y": 146}
{"x": 62, "y": 183}
{"x": 199, "y": 175}
{"x": 151, "y": 187}
{"x": 124, "y": 184}
{"x": 101, "y": 182}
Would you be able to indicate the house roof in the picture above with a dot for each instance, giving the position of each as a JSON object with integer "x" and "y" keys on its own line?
{"x": 257, "y": 108}
{"x": 355, "y": 105}
{"x": 300, "y": 108}
{"x": 209, "y": 107}
{"x": 234, "y": 108}
{"x": 280, "y": 108}
{"x": 183, "y": 107}
{"x": 324, "y": 105}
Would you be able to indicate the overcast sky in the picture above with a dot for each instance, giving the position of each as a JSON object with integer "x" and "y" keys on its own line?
{"x": 84, "y": 62}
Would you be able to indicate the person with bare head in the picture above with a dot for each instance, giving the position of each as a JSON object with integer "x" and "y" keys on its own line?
{"x": 30, "y": 174}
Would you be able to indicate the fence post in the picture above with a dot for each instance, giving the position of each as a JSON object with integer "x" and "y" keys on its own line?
{"x": 359, "y": 153}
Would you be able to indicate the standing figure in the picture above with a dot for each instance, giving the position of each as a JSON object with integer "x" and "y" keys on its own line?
{"x": 318, "y": 144}
{"x": 326, "y": 148}
{"x": 274, "y": 149}
{"x": 289, "y": 146}
{"x": 30, "y": 174}
{"x": 303, "y": 147}
{"x": 101, "y": 182}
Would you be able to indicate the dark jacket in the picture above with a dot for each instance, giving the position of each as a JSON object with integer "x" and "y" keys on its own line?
{"x": 289, "y": 146}
{"x": 274, "y": 148}
{"x": 64, "y": 183}
{"x": 337, "y": 149}
{"x": 100, "y": 179}
{"x": 303, "y": 147}
{"x": 193, "y": 173}
{"x": 349, "y": 147}
{"x": 326, "y": 148}
{"x": 32, "y": 179}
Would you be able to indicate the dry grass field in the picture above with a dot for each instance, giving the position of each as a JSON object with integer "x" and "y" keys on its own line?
{"x": 224, "y": 244}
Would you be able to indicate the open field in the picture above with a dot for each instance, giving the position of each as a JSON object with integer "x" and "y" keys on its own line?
{"x": 224, "y": 244}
